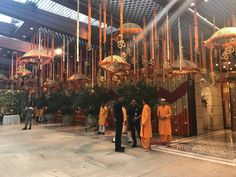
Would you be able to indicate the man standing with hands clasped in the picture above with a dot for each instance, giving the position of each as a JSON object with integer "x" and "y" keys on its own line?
{"x": 164, "y": 114}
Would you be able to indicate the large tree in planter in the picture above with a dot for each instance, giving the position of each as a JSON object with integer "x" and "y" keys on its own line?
{"x": 138, "y": 92}
{"x": 90, "y": 99}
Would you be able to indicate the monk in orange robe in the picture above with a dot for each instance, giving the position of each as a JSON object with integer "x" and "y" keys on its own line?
{"x": 164, "y": 114}
{"x": 146, "y": 127}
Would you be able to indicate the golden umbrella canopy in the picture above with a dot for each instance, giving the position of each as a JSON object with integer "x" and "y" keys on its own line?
{"x": 36, "y": 56}
{"x": 114, "y": 64}
{"x": 181, "y": 67}
{"x": 51, "y": 84}
{"x": 22, "y": 71}
{"x": 79, "y": 77}
{"x": 222, "y": 38}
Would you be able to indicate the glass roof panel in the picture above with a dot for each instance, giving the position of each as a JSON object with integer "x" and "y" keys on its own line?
{"x": 10, "y": 20}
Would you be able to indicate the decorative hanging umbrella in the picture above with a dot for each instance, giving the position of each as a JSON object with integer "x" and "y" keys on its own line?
{"x": 36, "y": 56}
{"x": 3, "y": 78}
{"x": 114, "y": 64}
{"x": 79, "y": 77}
{"x": 184, "y": 67}
{"x": 223, "y": 38}
{"x": 22, "y": 71}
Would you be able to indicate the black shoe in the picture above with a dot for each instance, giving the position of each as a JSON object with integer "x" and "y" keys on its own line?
{"x": 24, "y": 128}
{"x": 134, "y": 145}
{"x": 103, "y": 133}
{"x": 122, "y": 147}
{"x": 99, "y": 133}
{"x": 29, "y": 128}
{"x": 119, "y": 150}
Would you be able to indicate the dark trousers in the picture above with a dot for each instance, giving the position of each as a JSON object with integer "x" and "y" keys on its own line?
{"x": 135, "y": 126}
{"x": 118, "y": 135}
{"x": 28, "y": 121}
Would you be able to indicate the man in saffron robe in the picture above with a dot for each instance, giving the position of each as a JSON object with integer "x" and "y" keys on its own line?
{"x": 146, "y": 127}
{"x": 164, "y": 114}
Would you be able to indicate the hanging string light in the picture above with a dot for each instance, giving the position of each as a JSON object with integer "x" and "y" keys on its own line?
{"x": 89, "y": 46}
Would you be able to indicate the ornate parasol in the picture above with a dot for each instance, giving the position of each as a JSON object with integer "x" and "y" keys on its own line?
{"x": 3, "y": 78}
{"x": 115, "y": 64}
{"x": 36, "y": 56}
{"x": 181, "y": 67}
{"x": 223, "y": 38}
{"x": 22, "y": 71}
{"x": 79, "y": 77}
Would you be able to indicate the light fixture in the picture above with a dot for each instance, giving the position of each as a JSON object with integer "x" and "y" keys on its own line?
{"x": 235, "y": 65}
{"x": 24, "y": 36}
{"x": 58, "y": 51}
{"x": 217, "y": 64}
{"x": 8, "y": 51}
{"x": 205, "y": 0}
{"x": 224, "y": 67}
{"x": 230, "y": 69}
{"x": 229, "y": 62}
{"x": 192, "y": 4}
{"x": 32, "y": 28}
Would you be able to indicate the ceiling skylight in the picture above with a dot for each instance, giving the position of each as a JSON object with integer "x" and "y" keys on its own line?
{"x": 59, "y": 9}
{"x": 10, "y": 20}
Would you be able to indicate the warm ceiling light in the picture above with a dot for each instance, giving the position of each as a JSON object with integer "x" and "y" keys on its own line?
{"x": 229, "y": 62}
{"x": 58, "y": 51}
{"x": 192, "y": 4}
{"x": 224, "y": 66}
{"x": 205, "y": 0}
{"x": 217, "y": 64}
{"x": 230, "y": 69}
{"x": 32, "y": 28}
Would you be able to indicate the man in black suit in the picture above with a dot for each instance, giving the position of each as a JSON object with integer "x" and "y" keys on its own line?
{"x": 134, "y": 114}
{"x": 118, "y": 117}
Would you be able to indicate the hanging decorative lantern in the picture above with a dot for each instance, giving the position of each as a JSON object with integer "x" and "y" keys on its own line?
{"x": 35, "y": 56}
{"x": 79, "y": 77}
{"x": 22, "y": 71}
{"x": 114, "y": 64}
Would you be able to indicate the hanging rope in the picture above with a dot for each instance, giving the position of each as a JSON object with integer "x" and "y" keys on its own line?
{"x": 100, "y": 31}
{"x": 145, "y": 60}
{"x": 89, "y": 46}
{"x": 121, "y": 42}
{"x": 180, "y": 46}
{"x": 212, "y": 73}
{"x": 111, "y": 38}
{"x": 105, "y": 22}
{"x": 196, "y": 49}
{"x": 203, "y": 69}
{"x": 190, "y": 43}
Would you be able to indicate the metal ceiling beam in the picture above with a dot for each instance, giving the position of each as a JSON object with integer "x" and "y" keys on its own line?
{"x": 6, "y": 29}
{"x": 4, "y": 61}
{"x": 72, "y": 4}
{"x": 28, "y": 12}
{"x": 14, "y": 44}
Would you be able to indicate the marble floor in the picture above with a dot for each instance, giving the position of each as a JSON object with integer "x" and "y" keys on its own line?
{"x": 219, "y": 146}
{"x": 55, "y": 151}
